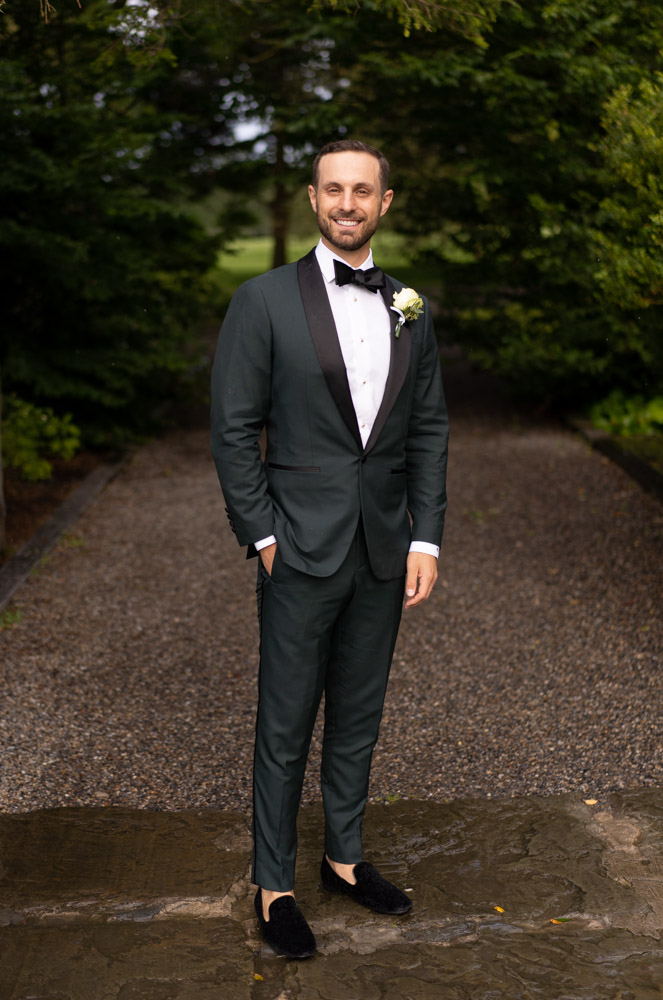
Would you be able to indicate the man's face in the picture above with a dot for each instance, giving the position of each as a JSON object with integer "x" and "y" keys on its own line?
{"x": 348, "y": 202}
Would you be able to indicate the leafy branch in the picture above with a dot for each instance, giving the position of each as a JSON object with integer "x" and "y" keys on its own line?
{"x": 470, "y": 18}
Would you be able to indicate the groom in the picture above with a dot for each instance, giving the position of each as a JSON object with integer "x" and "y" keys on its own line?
{"x": 346, "y": 512}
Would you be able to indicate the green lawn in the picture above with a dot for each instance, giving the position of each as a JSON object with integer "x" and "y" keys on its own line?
{"x": 248, "y": 257}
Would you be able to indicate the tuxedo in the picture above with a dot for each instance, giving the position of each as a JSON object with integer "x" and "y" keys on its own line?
{"x": 279, "y": 364}
{"x": 344, "y": 512}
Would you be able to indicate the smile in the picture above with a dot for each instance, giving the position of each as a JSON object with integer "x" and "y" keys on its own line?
{"x": 347, "y": 223}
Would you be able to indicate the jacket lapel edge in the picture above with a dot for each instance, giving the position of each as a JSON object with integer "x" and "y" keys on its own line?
{"x": 321, "y": 324}
{"x": 398, "y": 364}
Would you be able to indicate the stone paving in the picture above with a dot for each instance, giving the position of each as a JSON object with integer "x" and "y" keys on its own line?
{"x": 524, "y": 898}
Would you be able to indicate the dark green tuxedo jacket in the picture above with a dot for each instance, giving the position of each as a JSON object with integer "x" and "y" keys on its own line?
{"x": 279, "y": 364}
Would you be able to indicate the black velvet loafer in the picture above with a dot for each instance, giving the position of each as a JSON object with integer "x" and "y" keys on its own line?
{"x": 286, "y": 931}
{"x": 371, "y": 889}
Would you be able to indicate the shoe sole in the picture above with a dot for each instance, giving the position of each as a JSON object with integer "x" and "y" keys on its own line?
{"x": 287, "y": 954}
{"x": 373, "y": 909}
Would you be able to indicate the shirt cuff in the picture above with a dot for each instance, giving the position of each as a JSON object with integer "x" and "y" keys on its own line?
{"x": 264, "y": 542}
{"x": 427, "y": 547}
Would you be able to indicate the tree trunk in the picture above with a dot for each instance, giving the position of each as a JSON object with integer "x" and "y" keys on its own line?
{"x": 3, "y": 505}
{"x": 280, "y": 207}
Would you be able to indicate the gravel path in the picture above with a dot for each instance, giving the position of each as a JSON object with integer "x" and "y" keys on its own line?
{"x": 534, "y": 668}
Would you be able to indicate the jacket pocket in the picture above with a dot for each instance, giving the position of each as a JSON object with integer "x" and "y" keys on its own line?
{"x": 294, "y": 468}
{"x": 398, "y": 472}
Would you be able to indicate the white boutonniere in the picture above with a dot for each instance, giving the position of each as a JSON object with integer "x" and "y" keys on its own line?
{"x": 408, "y": 304}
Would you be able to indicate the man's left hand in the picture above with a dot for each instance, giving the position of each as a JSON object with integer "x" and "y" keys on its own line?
{"x": 420, "y": 578}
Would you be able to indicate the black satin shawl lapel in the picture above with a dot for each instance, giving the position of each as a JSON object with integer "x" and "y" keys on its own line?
{"x": 398, "y": 364}
{"x": 325, "y": 338}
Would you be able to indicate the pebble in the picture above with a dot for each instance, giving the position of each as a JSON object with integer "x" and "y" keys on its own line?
{"x": 535, "y": 667}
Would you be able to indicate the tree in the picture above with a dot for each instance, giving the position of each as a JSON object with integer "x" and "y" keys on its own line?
{"x": 282, "y": 79}
{"x": 282, "y": 90}
{"x": 292, "y": 73}
{"x": 3, "y": 504}
{"x": 502, "y": 175}
{"x": 469, "y": 18}
{"x": 107, "y": 277}
{"x": 629, "y": 227}
{"x": 105, "y": 274}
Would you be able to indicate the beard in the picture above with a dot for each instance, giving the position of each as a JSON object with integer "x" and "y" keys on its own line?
{"x": 353, "y": 239}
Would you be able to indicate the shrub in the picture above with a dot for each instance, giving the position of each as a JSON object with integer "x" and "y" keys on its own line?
{"x": 628, "y": 415}
{"x": 33, "y": 434}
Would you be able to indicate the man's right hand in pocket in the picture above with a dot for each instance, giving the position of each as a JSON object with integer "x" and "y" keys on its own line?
{"x": 267, "y": 555}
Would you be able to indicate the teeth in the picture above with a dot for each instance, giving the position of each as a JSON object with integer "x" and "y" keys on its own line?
{"x": 346, "y": 222}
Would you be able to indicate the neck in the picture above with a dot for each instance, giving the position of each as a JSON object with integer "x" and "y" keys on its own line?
{"x": 355, "y": 258}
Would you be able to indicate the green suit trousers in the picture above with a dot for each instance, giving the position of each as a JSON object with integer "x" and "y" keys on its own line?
{"x": 333, "y": 634}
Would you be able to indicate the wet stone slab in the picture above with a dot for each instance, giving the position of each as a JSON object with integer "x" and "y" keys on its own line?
{"x": 112, "y": 904}
{"x": 183, "y": 958}
{"x": 120, "y": 864}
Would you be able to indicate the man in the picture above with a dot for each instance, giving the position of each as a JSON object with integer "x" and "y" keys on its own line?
{"x": 350, "y": 393}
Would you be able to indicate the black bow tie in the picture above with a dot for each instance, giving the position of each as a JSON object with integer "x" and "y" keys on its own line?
{"x": 372, "y": 278}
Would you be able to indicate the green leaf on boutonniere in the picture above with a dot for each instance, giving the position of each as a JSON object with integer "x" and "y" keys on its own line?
{"x": 409, "y": 304}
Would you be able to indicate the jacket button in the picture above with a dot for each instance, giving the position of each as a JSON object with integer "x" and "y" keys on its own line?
{"x": 363, "y": 460}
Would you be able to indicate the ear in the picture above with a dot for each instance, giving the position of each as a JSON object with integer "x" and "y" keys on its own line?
{"x": 312, "y": 198}
{"x": 386, "y": 201}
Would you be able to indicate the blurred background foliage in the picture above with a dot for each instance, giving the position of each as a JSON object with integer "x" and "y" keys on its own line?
{"x": 141, "y": 141}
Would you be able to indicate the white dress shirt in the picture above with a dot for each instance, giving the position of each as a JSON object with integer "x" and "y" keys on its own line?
{"x": 364, "y": 330}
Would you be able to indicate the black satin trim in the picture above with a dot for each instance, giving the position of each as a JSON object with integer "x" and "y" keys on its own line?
{"x": 325, "y": 339}
{"x": 398, "y": 365}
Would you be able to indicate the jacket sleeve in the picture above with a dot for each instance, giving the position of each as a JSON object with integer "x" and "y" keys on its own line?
{"x": 427, "y": 442}
{"x": 240, "y": 395}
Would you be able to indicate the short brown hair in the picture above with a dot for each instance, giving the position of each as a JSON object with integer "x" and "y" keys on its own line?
{"x": 353, "y": 146}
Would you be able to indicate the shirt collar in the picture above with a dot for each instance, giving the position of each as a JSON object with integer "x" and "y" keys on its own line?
{"x": 326, "y": 258}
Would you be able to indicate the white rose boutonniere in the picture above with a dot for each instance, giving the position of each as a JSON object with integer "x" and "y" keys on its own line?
{"x": 408, "y": 304}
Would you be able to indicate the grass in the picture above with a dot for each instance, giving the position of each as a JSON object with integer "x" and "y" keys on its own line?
{"x": 71, "y": 541}
{"x": 248, "y": 257}
{"x": 10, "y": 616}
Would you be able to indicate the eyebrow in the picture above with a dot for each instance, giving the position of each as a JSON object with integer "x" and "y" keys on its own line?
{"x": 366, "y": 184}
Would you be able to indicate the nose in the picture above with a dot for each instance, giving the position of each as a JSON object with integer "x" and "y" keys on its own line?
{"x": 347, "y": 200}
